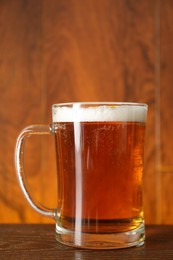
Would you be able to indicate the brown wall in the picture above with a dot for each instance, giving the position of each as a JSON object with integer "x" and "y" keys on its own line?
{"x": 55, "y": 51}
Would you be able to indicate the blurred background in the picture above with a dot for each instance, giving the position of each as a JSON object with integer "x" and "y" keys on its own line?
{"x": 55, "y": 51}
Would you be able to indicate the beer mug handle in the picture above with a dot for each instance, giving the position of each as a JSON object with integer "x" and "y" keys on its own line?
{"x": 19, "y": 164}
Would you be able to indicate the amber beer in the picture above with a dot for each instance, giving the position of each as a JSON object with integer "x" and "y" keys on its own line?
{"x": 99, "y": 154}
{"x": 100, "y": 168}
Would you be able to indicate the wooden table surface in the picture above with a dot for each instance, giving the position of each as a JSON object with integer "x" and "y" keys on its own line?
{"x": 34, "y": 241}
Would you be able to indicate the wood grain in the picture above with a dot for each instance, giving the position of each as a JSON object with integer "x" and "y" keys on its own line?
{"x": 166, "y": 110}
{"x": 100, "y": 50}
{"x": 21, "y": 98}
{"x": 38, "y": 242}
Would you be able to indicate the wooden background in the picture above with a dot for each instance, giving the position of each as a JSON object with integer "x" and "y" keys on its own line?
{"x": 55, "y": 51}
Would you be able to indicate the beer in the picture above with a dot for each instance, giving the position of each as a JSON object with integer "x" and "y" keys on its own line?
{"x": 99, "y": 155}
{"x": 100, "y": 168}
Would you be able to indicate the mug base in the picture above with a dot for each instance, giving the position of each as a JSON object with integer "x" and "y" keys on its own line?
{"x": 127, "y": 239}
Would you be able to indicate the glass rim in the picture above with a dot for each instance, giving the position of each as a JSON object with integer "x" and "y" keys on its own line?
{"x": 100, "y": 104}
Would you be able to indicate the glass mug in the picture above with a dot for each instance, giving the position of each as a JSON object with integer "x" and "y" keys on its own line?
{"x": 100, "y": 157}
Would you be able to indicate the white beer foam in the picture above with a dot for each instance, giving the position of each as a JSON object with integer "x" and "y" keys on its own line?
{"x": 103, "y": 113}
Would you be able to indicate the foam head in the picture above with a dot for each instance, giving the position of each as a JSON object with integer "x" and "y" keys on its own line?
{"x": 100, "y": 113}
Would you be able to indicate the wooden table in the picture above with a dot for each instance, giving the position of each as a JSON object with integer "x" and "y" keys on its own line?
{"x": 34, "y": 241}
